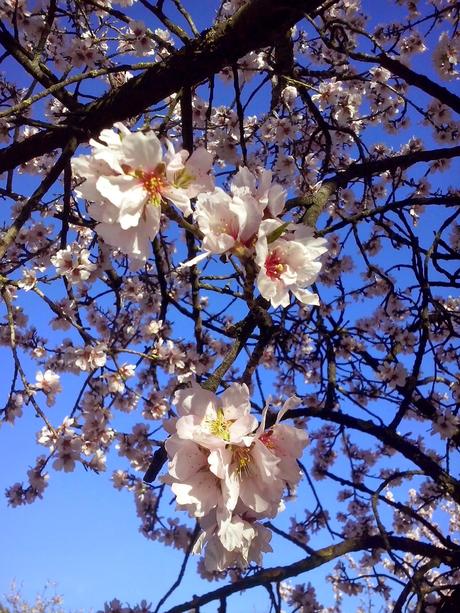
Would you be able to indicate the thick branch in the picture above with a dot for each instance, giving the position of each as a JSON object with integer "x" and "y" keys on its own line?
{"x": 315, "y": 202}
{"x": 252, "y": 27}
{"x": 320, "y": 557}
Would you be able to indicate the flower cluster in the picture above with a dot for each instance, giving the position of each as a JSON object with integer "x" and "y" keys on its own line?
{"x": 73, "y": 263}
{"x": 246, "y": 223}
{"x": 229, "y": 471}
{"x": 127, "y": 178}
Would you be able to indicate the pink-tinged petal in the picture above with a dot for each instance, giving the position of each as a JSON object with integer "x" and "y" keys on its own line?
{"x": 244, "y": 180}
{"x": 291, "y": 403}
{"x": 235, "y": 401}
{"x": 249, "y": 214}
{"x": 103, "y": 211}
{"x": 196, "y": 260}
{"x": 256, "y": 496}
{"x": 288, "y": 441}
{"x": 207, "y": 440}
{"x": 141, "y": 151}
{"x": 217, "y": 558}
{"x": 107, "y": 138}
{"x": 124, "y": 130}
{"x": 199, "y": 164}
{"x": 127, "y": 194}
{"x": 242, "y": 427}
{"x": 194, "y": 400}
{"x": 231, "y": 534}
{"x": 170, "y": 425}
{"x": 276, "y": 200}
{"x": 230, "y": 490}
{"x": 218, "y": 244}
{"x": 219, "y": 460}
{"x": 175, "y": 161}
{"x": 266, "y": 286}
{"x": 133, "y": 242}
{"x": 217, "y": 221}
{"x": 171, "y": 152}
{"x": 273, "y": 290}
{"x": 260, "y": 486}
{"x": 289, "y": 276}
{"x": 89, "y": 169}
{"x": 265, "y": 460}
{"x": 151, "y": 220}
{"x": 199, "y": 544}
{"x": 280, "y": 299}
{"x": 187, "y": 425}
{"x": 178, "y": 197}
{"x": 308, "y": 273}
{"x": 260, "y": 543}
{"x": 261, "y": 427}
{"x": 186, "y": 458}
{"x": 201, "y": 491}
{"x": 306, "y": 297}
{"x": 268, "y": 226}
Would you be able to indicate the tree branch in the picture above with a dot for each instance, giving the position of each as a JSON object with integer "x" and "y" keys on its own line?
{"x": 252, "y": 27}
{"x": 320, "y": 557}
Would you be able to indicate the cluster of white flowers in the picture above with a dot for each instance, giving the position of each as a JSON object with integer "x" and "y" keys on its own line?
{"x": 49, "y": 383}
{"x": 127, "y": 178}
{"x": 73, "y": 263}
{"x": 246, "y": 223}
{"x": 446, "y": 56}
{"x": 229, "y": 471}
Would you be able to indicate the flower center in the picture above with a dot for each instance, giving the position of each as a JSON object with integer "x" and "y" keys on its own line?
{"x": 220, "y": 426}
{"x": 153, "y": 184}
{"x": 274, "y": 266}
{"x": 242, "y": 458}
{"x": 153, "y": 181}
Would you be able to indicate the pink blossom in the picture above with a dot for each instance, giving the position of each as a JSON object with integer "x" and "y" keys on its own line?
{"x": 127, "y": 179}
{"x": 237, "y": 542}
{"x": 288, "y": 263}
{"x": 49, "y": 383}
{"x": 213, "y": 421}
{"x": 227, "y": 221}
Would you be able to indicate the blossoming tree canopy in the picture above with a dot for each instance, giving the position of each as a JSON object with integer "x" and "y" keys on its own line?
{"x": 236, "y": 224}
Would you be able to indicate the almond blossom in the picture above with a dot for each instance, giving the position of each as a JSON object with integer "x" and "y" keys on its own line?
{"x": 288, "y": 263}
{"x": 238, "y": 543}
{"x": 227, "y": 222}
{"x": 73, "y": 263}
{"x": 215, "y": 421}
{"x": 90, "y": 358}
{"x": 446, "y": 425}
{"x": 224, "y": 471}
{"x": 126, "y": 180}
{"x": 197, "y": 490}
{"x": 49, "y": 383}
{"x": 270, "y": 195}
{"x": 230, "y": 222}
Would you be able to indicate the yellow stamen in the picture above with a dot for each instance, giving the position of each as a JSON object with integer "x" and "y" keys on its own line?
{"x": 242, "y": 459}
{"x": 153, "y": 182}
{"x": 220, "y": 426}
